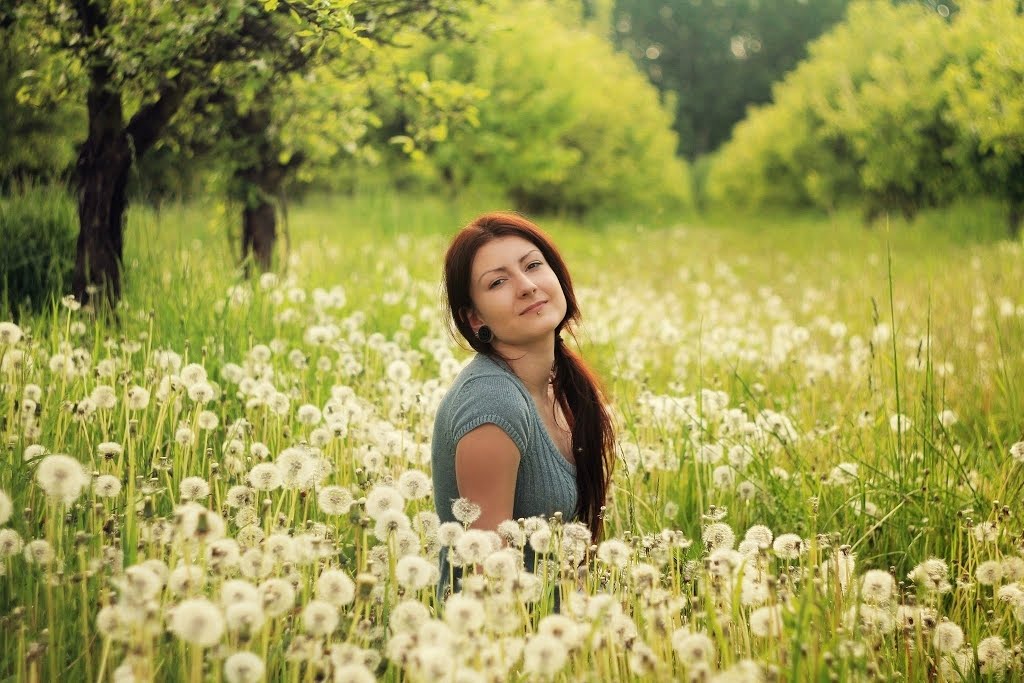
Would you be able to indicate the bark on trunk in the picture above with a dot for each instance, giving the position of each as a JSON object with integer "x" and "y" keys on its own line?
{"x": 259, "y": 233}
{"x": 102, "y": 174}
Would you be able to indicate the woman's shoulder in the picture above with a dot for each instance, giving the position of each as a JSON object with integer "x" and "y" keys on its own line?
{"x": 485, "y": 379}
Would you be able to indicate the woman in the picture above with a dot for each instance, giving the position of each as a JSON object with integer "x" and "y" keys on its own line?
{"x": 523, "y": 430}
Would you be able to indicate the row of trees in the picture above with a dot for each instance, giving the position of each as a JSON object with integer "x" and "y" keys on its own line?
{"x": 898, "y": 108}
{"x": 529, "y": 98}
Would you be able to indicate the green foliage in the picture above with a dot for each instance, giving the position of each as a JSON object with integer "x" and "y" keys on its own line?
{"x": 568, "y": 124}
{"x": 888, "y": 110}
{"x": 718, "y": 57}
{"x": 37, "y": 228}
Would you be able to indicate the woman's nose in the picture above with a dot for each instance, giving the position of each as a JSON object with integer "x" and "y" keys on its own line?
{"x": 526, "y": 285}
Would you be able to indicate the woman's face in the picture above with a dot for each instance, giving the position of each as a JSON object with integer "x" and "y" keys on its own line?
{"x": 515, "y": 292}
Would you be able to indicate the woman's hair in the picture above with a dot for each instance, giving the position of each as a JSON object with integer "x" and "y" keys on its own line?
{"x": 576, "y": 387}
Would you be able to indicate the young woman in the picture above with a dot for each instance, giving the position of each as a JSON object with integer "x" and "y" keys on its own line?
{"x": 523, "y": 431}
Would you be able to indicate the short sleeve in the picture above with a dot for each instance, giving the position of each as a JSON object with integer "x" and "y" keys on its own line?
{"x": 491, "y": 400}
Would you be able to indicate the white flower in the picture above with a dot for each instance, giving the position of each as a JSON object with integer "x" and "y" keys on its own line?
{"x": 900, "y": 423}
{"x": 6, "y": 507}
{"x": 989, "y": 572}
{"x": 197, "y": 621}
{"x": 948, "y": 637}
{"x": 138, "y": 398}
{"x": 614, "y": 552}
{"x": 10, "y": 543}
{"x": 308, "y": 414}
{"x": 409, "y": 616}
{"x": 475, "y": 545}
{"x": 993, "y": 657}
{"x": 61, "y": 477}
{"x": 692, "y": 648}
{"x": 334, "y": 500}
{"x": 243, "y": 667}
{"x": 245, "y": 616}
{"x": 237, "y": 590}
{"x": 414, "y": 484}
{"x": 766, "y": 622}
{"x": 38, "y": 551}
{"x": 277, "y": 596}
{"x": 413, "y": 572}
{"x": 1017, "y": 451}
{"x": 335, "y": 587}
{"x": 789, "y": 546}
{"x": 207, "y": 420}
{"x": 465, "y": 510}
{"x": 383, "y": 498}
{"x": 759, "y": 534}
{"x": 193, "y": 488}
{"x": 544, "y": 657}
{"x": 718, "y": 535}
{"x": 320, "y": 618}
{"x": 10, "y": 334}
{"x": 877, "y": 586}
{"x": 464, "y": 614}
{"x": 265, "y": 476}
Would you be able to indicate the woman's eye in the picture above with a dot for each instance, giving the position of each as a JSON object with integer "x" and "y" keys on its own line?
{"x": 496, "y": 283}
{"x": 534, "y": 264}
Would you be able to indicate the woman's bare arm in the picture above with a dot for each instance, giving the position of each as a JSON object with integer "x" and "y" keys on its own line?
{"x": 486, "y": 467}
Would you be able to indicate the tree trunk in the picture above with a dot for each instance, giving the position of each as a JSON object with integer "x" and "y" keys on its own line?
{"x": 101, "y": 176}
{"x": 259, "y": 233}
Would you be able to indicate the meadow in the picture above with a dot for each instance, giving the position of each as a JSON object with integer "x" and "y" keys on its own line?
{"x": 821, "y": 458}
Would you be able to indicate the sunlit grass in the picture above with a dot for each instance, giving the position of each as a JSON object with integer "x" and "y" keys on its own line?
{"x": 855, "y": 392}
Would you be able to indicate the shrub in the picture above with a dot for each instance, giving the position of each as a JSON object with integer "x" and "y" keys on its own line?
{"x": 38, "y": 228}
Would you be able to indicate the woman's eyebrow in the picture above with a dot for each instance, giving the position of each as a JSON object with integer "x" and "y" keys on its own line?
{"x": 503, "y": 268}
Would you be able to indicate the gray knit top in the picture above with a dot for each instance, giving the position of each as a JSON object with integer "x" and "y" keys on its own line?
{"x": 487, "y": 391}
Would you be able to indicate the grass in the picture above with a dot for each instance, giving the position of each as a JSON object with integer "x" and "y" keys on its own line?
{"x": 747, "y": 358}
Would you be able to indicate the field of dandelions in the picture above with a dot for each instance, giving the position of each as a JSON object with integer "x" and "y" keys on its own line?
{"x": 819, "y": 474}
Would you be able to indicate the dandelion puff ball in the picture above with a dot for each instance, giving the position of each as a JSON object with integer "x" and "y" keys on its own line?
{"x": 197, "y": 621}
{"x": 718, "y": 535}
{"x": 61, "y": 477}
{"x": 383, "y": 498}
{"x": 320, "y": 618}
{"x": 334, "y": 500}
{"x": 243, "y": 667}
{"x": 6, "y": 507}
{"x": 335, "y": 587}
{"x": 877, "y": 586}
{"x": 692, "y": 648}
{"x": 544, "y": 656}
{"x": 464, "y": 614}
{"x": 948, "y": 637}
{"x": 789, "y": 546}
{"x": 766, "y": 621}
{"x": 414, "y": 573}
{"x": 265, "y": 476}
{"x": 414, "y": 484}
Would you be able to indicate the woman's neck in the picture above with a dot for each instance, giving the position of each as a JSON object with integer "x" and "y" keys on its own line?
{"x": 532, "y": 365}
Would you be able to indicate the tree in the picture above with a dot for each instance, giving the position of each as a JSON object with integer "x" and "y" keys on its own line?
{"x": 140, "y": 61}
{"x": 718, "y": 57}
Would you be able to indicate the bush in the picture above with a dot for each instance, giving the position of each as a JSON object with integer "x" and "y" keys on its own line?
{"x": 38, "y": 228}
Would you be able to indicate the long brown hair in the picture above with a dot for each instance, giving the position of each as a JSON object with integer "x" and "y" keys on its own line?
{"x": 577, "y": 389}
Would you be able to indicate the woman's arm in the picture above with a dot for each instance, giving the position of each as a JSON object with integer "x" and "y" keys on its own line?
{"x": 486, "y": 467}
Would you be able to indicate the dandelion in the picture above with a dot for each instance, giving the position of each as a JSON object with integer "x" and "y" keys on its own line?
{"x": 766, "y": 622}
{"x": 207, "y": 420}
{"x": 184, "y": 437}
{"x": 413, "y": 572}
{"x": 1017, "y": 451}
{"x": 334, "y": 500}
{"x": 409, "y": 616}
{"x": 692, "y": 648}
{"x": 877, "y": 586}
{"x": 239, "y": 496}
{"x": 986, "y": 532}
{"x": 243, "y": 667}
{"x": 544, "y": 656}
{"x": 265, "y": 476}
{"x": 137, "y": 398}
{"x": 614, "y": 552}
{"x": 197, "y": 621}
{"x": 109, "y": 450}
{"x": 759, "y": 534}
{"x": 465, "y": 510}
{"x": 475, "y": 545}
{"x": 277, "y": 596}
{"x": 448, "y": 533}
{"x": 335, "y": 587}
{"x": 104, "y": 397}
{"x": 843, "y": 474}
{"x": 464, "y": 614}
{"x": 948, "y": 637}
{"x": 6, "y": 507}
{"x": 187, "y": 578}
{"x": 900, "y": 423}
{"x": 948, "y": 418}
{"x": 789, "y": 546}
{"x": 993, "y": 656}
{"x": 320, "y": 618}
{"x": 354, "y": 673}
{"x": 511, "y": 533}
{"x": 61, "y": 477}
{"x": 389, "y": 522}
{"x": 989, "y": 572}
{"x": 718, "y": 535}
{"x": 383, "y": 498}
{"x": 193, "y": 488}
{"x": 237, "y": 590}
{"x": 10, "y": 543}
{"x": 642, "y": 660}
{"x": 414, "y": 484}
{"x": 10, "y": 334}
{"x": 308, "y": 414}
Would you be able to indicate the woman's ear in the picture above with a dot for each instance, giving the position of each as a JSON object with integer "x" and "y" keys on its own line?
{"x": 472, "y": 319}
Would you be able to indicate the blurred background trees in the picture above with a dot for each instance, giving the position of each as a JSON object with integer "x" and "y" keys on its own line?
{"x": 634, "y": 107}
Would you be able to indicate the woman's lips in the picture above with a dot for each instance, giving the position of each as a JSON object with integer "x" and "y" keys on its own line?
{"x": 533, "y": 307}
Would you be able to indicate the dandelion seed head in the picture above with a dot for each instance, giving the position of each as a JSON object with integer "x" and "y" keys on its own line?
{"x": 789, "y": 546}
{"x": 465, "y": 510}
{"x": 383, "y": 498}
{"x": 718, "y": 535}
{"x": 265, "y": 476}
{"x": 10, "y": 543}
{"x": 766, "y": 621}
{"x": 243, "y": 667}
{"x": 61, "y": 477}
{"x": 193, "y": 488}
{"x": 414, "y": 485}
{"x": 335, "y": 587}
{"x": 197, "y": 621}
{"x": 6, "y": 507}
{"x": 320, "y": 618}
{"x": 877, "y": 586}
